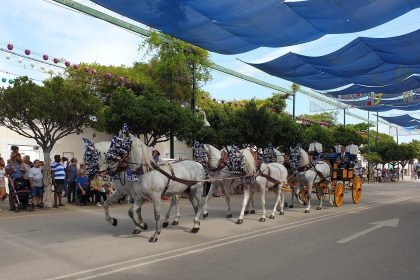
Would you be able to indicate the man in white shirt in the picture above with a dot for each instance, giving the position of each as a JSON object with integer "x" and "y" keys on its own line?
{"x": 315, "y": 149}
{"x": 353, "y": 150}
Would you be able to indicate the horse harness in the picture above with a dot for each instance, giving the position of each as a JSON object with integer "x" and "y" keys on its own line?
{"x": 172, "y": 176}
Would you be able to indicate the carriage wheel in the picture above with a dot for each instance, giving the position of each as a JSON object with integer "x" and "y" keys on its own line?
{"x": 324, "y": 194}
{"x": 357, "y": 189}
{"x": 339, "y": 193}
{"x": 303, "y": 196}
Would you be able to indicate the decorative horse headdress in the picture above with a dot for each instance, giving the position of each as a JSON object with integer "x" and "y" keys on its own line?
{"x": 91, "y": 157}
{"x": 121, "y": 145}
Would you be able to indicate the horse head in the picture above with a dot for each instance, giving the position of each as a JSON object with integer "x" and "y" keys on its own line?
{"x": 214, "y": 156}
{"x": 298, "y": 158}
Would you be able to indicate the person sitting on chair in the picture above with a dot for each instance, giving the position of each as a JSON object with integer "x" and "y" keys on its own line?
{"x": 343, "y": 158}
{"x": 315, "y": 150}
{"x": 353, "y": 150}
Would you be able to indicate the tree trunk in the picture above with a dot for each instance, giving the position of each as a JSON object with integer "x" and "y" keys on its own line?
{"x": 48, "y": 193}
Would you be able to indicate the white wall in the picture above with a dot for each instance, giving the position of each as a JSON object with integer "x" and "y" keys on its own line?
{"x": 74, "y": 145}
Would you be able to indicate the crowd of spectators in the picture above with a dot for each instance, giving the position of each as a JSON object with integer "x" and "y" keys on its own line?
{"x": 70, "y": 184}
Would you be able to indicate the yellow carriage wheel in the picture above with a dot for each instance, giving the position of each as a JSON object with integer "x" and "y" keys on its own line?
{"x": 356, "y": 192}
{"x": 339, "y": 193}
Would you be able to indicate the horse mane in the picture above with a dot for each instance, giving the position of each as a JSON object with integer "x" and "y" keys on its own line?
{"x": 140, "y": 155}
{"x": 249, "y": 166}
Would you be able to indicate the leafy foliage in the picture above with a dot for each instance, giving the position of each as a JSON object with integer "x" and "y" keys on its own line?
{"x": 47, "y": 113}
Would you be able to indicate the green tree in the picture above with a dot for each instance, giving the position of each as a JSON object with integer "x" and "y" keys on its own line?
{"x": 151, "y": 116}
{"x": 47, "y": 113}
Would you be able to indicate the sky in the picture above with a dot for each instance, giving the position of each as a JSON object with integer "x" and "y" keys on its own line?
{"x": 45, "y": 27}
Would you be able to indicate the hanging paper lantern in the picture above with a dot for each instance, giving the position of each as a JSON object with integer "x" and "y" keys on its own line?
{"x": 56, "y": 60}
{"x": 10, "y": 47}
{"x": 45, "y": 57}
{"x": 75, "y": 66}
{"x": 108, "y": 75}
{"x": 7, "y": 56}
{"x": 50, "y": 71}
{"x": 27, "y": 51}
{"x": 42, "y": 67}
{"x": 86, "y": 69}
{"x": 3, "y": 80}
{"x": 11, "y": 81}
{"x": 67, "y": 63}
{"x": 93, "y": 71}
{"x": 223, "y": 102}
{"x": 32, "y": 65}
{"x": 20, "y": 60}
{"x": 214, "y": 99}
{"x": 121, "y": 79}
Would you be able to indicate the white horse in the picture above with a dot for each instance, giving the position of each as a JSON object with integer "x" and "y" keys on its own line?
{"x": 123, "y": 187}
{"x": 220, "y": 178}
{"x": 271, "y": 175}
{"x": 168, "y": 178}
{"x": 309, "y": 174}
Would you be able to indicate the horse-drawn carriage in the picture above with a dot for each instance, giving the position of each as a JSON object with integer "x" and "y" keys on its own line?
{"x": 342, "y": 177}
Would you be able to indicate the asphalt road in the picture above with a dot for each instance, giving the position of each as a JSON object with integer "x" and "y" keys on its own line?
{"x": 375, "y": 239}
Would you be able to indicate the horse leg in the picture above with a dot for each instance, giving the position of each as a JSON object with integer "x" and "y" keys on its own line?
{"x": 262, "y": 189}
{"x": 244, "y": 203}
{"x": 195, "y": 196}
{"x": 277, "y": 191}
{"x": 309, "y": 193}
{"x": 113, "y": 198}
{"x": 137, "y": 219}
{"x": 174, "y": 203}
{"x": 227, "y": 189}
{"x": 320, "y": 195}
{"x": 206, "y": 200}
{"x": 156, "y": 199}
{"x": 330, "y": 198}
{"x": 250, "y": 206}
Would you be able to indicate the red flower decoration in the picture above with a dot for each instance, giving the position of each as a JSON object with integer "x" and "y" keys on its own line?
{"x": 27, "y": 51}
{"x": 56, "y": 60}
{"x": 45, "y": 57}
{"x": 10, "y": 47}
{"x": 67, "y": 63}
{"x": 75, "y": 66}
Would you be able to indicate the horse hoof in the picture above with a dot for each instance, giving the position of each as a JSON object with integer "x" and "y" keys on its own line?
{"x": 229, "y": 216}
{"x": 252, "y": 211}
{"x": 195, "y": 230}
{"x": 307, "y": 211}
{"x": 239, "y": 221}
{"x": 281, "y": 213}
{"x": 144, "y": 226}
{"x": 271, "y": 217}
{"x": 291, "y": 206}
{"x": 319, "y": 208}
{"x": 114, "y": 222}
{"x": 165, "y": 224}
{"x": 205, "y": 215}
{"x": 175, "y": 223}
{"x": 246, "y": 212}
{"x": 153, "y": 239}
{"x": 136, "y": 231}
{"x": 262, "y": 220}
